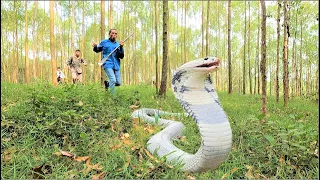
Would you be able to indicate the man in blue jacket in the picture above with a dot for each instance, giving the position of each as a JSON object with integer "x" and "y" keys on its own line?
{"x": 112, "y": 64}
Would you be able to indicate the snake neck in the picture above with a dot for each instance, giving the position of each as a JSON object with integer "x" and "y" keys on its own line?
{"x": 196, "y": 94}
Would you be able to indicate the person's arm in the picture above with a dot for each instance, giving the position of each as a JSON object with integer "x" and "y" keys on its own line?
{"x": 83, "y": 61}
{"x": 120, "y": 51}
{"x": 97, "y": 48}
{"x": 69, "y": 62}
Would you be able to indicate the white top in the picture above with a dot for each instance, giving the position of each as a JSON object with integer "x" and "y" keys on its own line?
{"x": 60, "y": 74}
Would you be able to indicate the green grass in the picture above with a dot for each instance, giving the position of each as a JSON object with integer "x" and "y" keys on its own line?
{"x": 38, "y": 120}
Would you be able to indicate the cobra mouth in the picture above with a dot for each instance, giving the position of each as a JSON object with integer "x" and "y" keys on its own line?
{"x": 208, "y": 65}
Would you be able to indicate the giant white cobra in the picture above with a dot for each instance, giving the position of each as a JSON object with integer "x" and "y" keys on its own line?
{"x": 192, "y": 86}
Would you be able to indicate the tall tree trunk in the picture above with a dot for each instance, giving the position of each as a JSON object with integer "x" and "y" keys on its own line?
{"x": 202, "y": 29}
{"x": 96, "y": 67}
{"x": 294, "y": 59}
{"x": 34, "y": 39}
{"x": 156, "y": 47}
{"x": 249, "y": 60}
{"x": 244, "y": 50}
{"x": 285, "y": 56}
{"x": 217, "y": 85}
{"x": 83, "y": 44}
{"x": 52, "y": 49}
{"x": 102, "y": 32}
{"x": 27, "y": 46}
{"x": 110, "y": 21}
{"x": 72, "y": 28}
{"x": 168, "y": 52}
{"x": 278, "y": 52}
{"x": 257, "y": 58}
{"x": 123, "y": 67}
{"x": 15, "y": 60}
{"x": 185, "y": 33}
{"x": 207, "y": 31}
{"x": 263, "y": 57}
{"x": 229, "y": 49}
{"x": 300, "y": 68}
{"x": 135, "y": 59}
{"x": 163, "y": 85}
{"x": 61, "y": 44}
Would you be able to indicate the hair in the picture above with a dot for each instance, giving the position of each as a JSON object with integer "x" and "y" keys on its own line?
{"x": 77, "y": 50}
{"x": 111, "y": 30}
{"x": 58, "y": 68}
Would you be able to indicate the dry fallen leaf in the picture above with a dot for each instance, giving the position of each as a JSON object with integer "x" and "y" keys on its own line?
{"x": 37, "y": 172}
{"x": 93, "y": 167}
{"x": 8, "y": 157}
{"x": 191, "y": 177}
{"x": 281, "y": 160}
{"x": 261, "y": 175}
{"x": 249, "y": 173}
{"x": 126, "y": 141}
{"x": 79, "y": 159}
{"x": 149, "y": 129}
{"x": 99, "y": 176}
{"x": 149, "y": 154}
{"x": 135, "y": 120}
{"x": 121, "y": 135}
{"x": 228, "y": 173}
{"x": 134, "y": 107}
{"x": 66, "y": 153}
{"x": 116, "y": 146}
{"x": 40, "y": 171}
{"x": 112, "y": 127}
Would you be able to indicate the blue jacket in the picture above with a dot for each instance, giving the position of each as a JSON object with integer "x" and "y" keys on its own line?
{"x": 106, "y": 46}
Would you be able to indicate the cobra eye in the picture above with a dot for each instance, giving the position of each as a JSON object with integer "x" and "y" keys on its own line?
{"x": 206, "y": 58}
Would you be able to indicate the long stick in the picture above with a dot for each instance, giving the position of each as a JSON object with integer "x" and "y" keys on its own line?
{"x": 104, "y": 59}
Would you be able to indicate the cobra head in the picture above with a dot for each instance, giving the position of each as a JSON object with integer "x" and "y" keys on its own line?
{"x": 206, "y": 65}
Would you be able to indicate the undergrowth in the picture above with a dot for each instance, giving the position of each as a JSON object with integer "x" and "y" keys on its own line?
{"x": 37, "y": 121}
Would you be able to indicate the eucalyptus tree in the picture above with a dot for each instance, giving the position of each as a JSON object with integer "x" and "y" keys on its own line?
{"x": 285, "y": 55}
{"x": 278, "y": 51}
{"x": 229, "y": 49}
{"x": 156, "y": 44}
{"x": 263, "y": 57}
{"x": 244, "y": 49}
{"x": 52, "y": 48}
{"x": 163, "y": 85}
{"x": 27, "y": 71}
{"x": 102, "y": 33}
{"x": 35, "y": 40}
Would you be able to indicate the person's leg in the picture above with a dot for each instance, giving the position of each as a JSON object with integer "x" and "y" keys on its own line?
{"x": 106, "y": 84}
{"x": 118, "y": 77}
{"x": 80, "y": 77}
{"x": 112, "y": 79}
{"x": 74, "y": 75}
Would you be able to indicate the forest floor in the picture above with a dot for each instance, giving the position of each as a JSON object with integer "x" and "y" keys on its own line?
{"x": 77, "y": 131}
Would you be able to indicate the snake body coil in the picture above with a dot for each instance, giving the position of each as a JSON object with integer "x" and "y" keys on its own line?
{"x": 192, "y": 86}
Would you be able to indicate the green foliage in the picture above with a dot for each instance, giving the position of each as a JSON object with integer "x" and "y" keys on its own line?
{"x": 39, "y": 120}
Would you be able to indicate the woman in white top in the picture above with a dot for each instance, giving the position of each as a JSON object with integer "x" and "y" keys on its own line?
{"x": 60, "y": 75}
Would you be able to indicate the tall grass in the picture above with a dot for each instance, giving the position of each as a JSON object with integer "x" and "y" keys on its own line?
{"x": 39, "y": 120}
